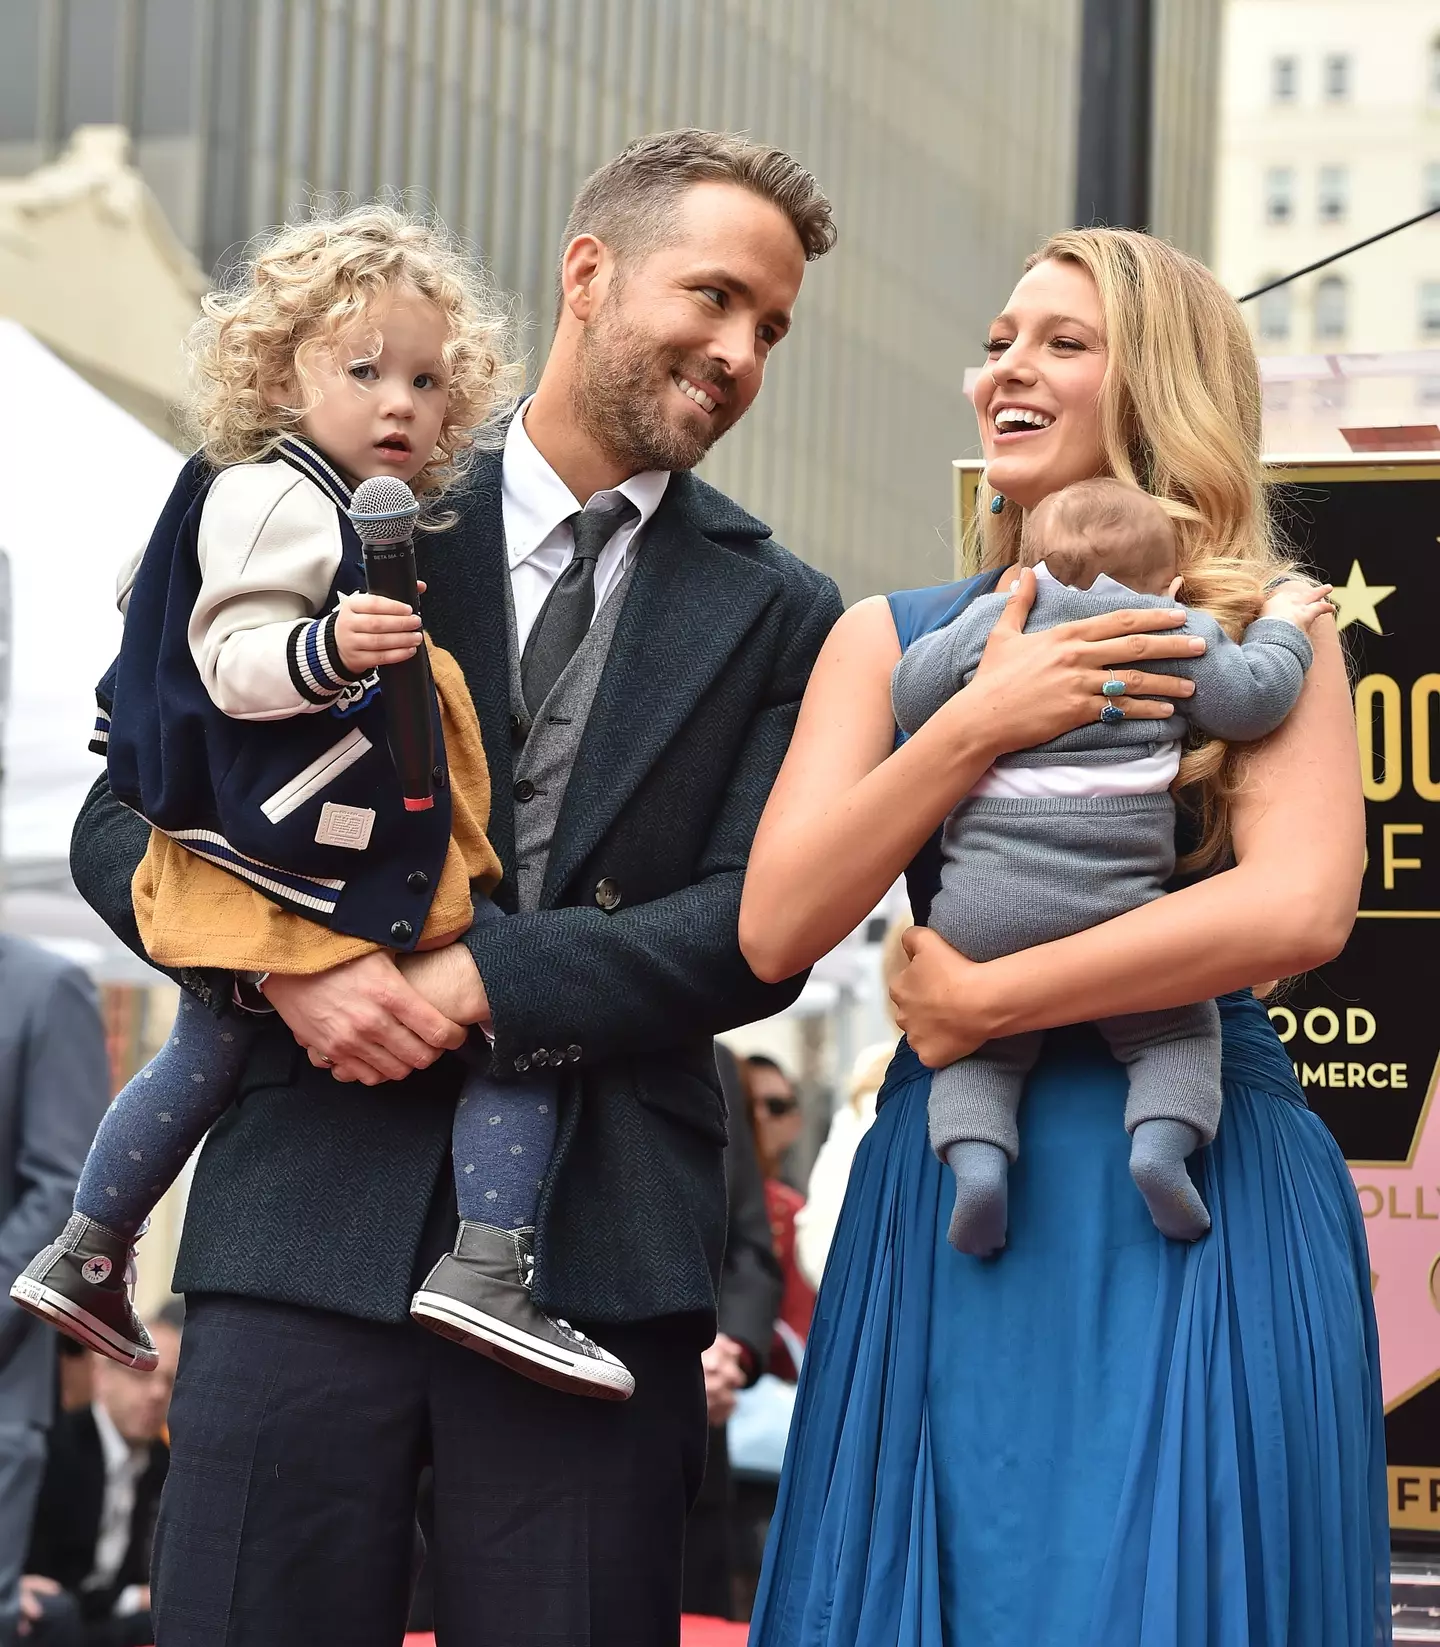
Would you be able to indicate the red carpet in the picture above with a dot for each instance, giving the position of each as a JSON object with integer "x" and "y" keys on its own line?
{"x": 694, "y": 1632}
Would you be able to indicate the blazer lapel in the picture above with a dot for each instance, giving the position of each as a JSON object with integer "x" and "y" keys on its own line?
{"x": 465, "y": 570}
{"x": 690, "y": 603}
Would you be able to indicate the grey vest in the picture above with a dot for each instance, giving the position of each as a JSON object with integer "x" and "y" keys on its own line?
{"x": 545, "y": 749}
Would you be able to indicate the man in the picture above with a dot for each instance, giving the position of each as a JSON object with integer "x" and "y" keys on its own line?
{"x": 623, "y": 815}
{"x": 54, "y": 1086}
{"x": 749, "y": 1302}
{"x": 87, "y": 1574}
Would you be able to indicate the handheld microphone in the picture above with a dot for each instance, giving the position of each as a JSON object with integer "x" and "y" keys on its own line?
{"x": 383, "y": 512}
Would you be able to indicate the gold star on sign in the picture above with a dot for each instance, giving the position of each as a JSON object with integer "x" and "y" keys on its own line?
{"x": 1355, "y": 600}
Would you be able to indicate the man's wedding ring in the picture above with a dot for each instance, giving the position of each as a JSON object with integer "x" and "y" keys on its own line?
{"x": 1113, "y": 688}
{"x": 324, "y": 1061}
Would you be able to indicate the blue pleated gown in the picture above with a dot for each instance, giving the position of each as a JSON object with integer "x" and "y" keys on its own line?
{"x": 1100, "y": 1438}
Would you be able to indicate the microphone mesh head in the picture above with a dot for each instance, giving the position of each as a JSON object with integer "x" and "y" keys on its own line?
{"x": 383, "y": 510}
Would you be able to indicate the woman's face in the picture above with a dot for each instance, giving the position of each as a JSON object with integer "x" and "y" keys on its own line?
{"x": 1038, "y": 394}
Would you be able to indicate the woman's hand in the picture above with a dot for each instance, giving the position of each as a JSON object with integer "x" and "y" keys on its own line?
{"x": 1031, "y": 688}
{"x": 940, "y": 1000}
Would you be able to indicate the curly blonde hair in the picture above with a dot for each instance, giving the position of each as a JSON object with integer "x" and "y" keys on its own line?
{"x": 302, "y": 287}
{"x": 1180, "y": 417}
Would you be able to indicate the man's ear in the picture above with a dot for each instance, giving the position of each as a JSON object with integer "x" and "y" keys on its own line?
{"x": 584, "y": 273}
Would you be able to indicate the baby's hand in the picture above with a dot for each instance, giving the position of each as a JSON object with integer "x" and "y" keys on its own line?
{"x": 1299, "y": 603}
{"x": 371, "y": 632}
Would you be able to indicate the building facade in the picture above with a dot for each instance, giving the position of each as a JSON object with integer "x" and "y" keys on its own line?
{"x": 1330, "y": 131}
{"x": 944, "y": 131}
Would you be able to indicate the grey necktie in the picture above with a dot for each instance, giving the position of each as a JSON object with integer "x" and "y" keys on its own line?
{"x": 565, "y": 618}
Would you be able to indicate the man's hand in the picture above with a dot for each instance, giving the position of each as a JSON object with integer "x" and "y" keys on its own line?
{"x": 32, "y": 1588}
{"x": 371, "y": 631}
{"x": 724, "y": 1364}
{"x": 449, "y": 981}
{"x": 362, "y": 1021}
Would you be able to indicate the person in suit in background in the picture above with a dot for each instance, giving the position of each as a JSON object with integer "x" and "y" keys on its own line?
{"x": 749, "y": 1300}
{"x": 54, "y": 1087}
{"x": 87, "y": 1577}
{"x": 649, "y": 691}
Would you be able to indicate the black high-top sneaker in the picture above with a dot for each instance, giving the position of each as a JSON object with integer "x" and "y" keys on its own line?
{"x": 479, "y": 1296}
{"x": 81, "y": 1284}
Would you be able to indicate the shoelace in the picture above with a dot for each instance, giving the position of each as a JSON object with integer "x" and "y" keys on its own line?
{"x": 131, "y": 1270}
{"x": 527, "y": 1276}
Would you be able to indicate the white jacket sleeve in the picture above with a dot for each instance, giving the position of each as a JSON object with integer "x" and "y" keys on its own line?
{"x": 269, "y": 547}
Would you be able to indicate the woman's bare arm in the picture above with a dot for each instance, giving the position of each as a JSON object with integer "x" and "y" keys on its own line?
{"x": 1287, "y": 905}
{"x": 849, "y": 811}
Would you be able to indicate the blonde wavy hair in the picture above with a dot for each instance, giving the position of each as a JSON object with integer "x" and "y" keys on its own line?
{"x": 1180, "y": 418}
{"x": 302, "y": 288}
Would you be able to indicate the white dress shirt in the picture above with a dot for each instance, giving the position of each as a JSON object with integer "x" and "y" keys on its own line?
{"x": 124, "y": 1465}
{"x": 536, "y": 506}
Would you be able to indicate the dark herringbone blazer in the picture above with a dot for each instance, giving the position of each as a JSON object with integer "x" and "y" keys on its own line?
{"x": 316, "y": 1193}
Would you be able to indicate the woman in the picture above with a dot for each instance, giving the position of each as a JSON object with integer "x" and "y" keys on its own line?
{"x": 1102, "y": 1438}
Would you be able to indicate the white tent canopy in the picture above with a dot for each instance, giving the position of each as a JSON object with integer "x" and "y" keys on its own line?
{"x": 82, "y": 483}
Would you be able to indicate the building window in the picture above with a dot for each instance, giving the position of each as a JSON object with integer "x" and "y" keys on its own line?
{"x": 1330, "y": 306}
{"x": 1336, "y": 77}
{"x": 1431, "y": 199}
{"x": 1285, "y": 78}
{"x": 1279, "y": 194}
{"x": 1428, "y": 392}
{"x": 1430, "y": 308}
{"x": 1274, "y": 312}
{"x": 1330, "y": 394}
{"x": 1334, "y": 194}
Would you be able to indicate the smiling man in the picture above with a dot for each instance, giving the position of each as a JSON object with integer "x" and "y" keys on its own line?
{"x": 637, "y": 647}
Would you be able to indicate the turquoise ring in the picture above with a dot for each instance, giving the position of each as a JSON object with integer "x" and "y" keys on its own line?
{"x": 1113, "y": 689}
{"x": 1112, "y": 713}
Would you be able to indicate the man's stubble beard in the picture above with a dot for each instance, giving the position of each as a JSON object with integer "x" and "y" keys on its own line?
{"x": 617, "y": 397}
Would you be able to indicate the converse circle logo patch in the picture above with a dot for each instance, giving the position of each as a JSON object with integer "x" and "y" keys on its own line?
{"x": 96, "y": 1270}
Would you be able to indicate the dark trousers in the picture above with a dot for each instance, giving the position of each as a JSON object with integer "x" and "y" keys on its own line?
{"x": 298, "y": 1437}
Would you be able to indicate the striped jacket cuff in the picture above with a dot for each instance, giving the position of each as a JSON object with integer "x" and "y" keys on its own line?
{"x": 313, "y": 656}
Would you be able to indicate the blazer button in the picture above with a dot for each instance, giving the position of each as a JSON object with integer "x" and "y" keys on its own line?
{"x": 539, "y": 1058}
{"x": 607, "y": 894}
{"x": 524, "y": 790}
{"x": 556, "y": 1058}
{"x": 402, "y": 932}
{"x": 522, "y": 1063}
{"x": 517, "y": 726}
{"x": 573, "y": 1054}
{"x": 437, "y": 777}
{"x": 417, "y": 880}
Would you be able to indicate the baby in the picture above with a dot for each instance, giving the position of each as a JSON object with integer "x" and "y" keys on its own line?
{"x": 244, "y": 719}
{"x": 1061, "y": 837}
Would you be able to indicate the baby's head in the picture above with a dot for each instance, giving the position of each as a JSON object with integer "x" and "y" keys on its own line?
{"x": 1100, "y": 526}
{"x": 369, "y": 333}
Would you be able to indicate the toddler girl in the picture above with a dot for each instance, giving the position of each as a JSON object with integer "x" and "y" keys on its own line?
{"x": 243, "y": 719}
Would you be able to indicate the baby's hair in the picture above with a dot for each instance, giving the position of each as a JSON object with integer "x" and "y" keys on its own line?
{"x": 302, "y": 287}
{"x": 1102, "y": 525}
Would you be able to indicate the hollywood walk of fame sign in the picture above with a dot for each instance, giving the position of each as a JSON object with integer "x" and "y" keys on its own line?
{"x": 1364, "y": 1031}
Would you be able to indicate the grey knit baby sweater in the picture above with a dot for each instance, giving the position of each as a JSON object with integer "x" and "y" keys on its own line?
{"x": 1242, "y": 691}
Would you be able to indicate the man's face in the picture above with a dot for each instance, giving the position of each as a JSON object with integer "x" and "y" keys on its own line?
{"x": 776, "y": 1109}
{"x": 139, "y": 1402}
{"x": 675, "y": 351}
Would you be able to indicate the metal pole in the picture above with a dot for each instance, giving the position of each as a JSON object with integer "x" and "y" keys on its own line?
{"x": 1112, "y": 173}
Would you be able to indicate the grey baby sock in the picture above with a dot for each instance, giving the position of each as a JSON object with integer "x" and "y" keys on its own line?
{"x": 982, "y": 1173}
{"x": 1158, "y": 1152}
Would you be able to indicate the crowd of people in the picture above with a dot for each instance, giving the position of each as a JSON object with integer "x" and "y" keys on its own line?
{"x": 486, "y": 1233}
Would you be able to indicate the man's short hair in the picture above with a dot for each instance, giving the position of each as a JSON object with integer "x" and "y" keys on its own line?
{"x": 631, "y": 202}
{"x": 763, "y": 1060}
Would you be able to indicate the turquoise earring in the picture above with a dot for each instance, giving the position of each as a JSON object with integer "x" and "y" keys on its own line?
{"x": 997, "y": 504}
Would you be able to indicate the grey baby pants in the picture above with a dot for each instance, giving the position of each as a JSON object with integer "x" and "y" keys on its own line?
{"x": 1018, "y": 873}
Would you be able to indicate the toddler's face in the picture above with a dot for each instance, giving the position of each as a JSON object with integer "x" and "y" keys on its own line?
{"x": 383, "y": 392}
